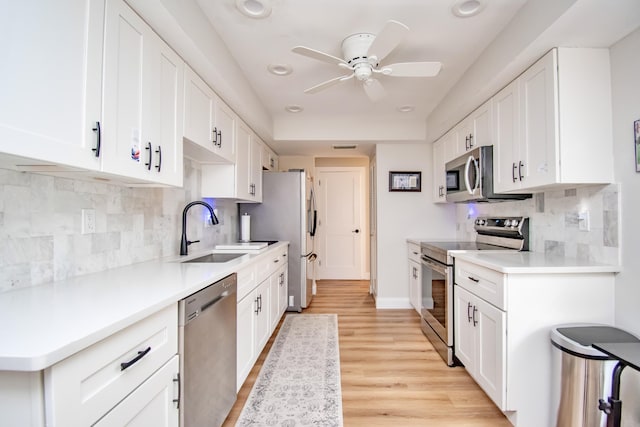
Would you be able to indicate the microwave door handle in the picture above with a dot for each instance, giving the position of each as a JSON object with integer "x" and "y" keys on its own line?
{"x": 467, "y": 184}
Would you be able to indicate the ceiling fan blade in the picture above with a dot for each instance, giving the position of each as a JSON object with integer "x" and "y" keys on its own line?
{"x": 316, "y": 54}
{"x": 412, "y": 69}
{"x": 328, "y": 83}
{"x": 387, "y": 39}
{"x": 374, "y": 90}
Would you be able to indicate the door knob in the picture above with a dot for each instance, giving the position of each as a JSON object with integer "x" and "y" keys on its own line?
{"x": 356, "y": 231}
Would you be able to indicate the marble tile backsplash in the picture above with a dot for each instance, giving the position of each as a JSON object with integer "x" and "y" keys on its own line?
{"x": 554, "y": 221}
{"x": 40, "y": 225}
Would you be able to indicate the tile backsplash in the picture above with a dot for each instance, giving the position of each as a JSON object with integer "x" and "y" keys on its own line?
{"x": 40, "y": 225}
{"x": 554, "y": 221}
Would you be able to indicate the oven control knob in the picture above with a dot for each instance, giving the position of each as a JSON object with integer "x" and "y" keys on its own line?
{"x": 514, "y": 223}
{"x": 507, "y": 222}
{"x": 480, "y": 221}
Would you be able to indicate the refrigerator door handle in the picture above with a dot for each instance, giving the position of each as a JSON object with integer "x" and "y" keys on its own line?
{"x": 310, "y": 256}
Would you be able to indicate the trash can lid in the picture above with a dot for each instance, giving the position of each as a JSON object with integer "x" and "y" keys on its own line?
{"x": 577, "y": 339}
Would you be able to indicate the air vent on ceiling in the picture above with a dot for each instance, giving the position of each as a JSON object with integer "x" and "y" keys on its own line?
{"x": 344, "y": 146}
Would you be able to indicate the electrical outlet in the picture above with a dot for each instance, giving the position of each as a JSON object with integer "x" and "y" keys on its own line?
{"x": 583, "y": 221}
{"x": 88, "y": 221}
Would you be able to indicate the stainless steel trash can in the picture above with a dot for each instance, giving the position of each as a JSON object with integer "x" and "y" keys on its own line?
{"x": 584, "y": 373}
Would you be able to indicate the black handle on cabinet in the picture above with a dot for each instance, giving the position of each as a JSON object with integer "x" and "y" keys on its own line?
{"x": 520, "y": 165}
{"x": 148, "y": 147}
{"x": 257, "y": 310}
{"x": 219, "y": 139}
{"x": 159, "y": 152}
{"x": 98, "y": 139}
{"x": 468, "y": 308}
{"x": 215, "y": 136}
{"x": 475, "y": 310}
{"x": 356, "y": 231}
{"x": 513, "y": 172}
{"x": 177, "y": 400}
{"x": 466, "y": 143}
{"x": 470, "y": 140}
{"x": 260, "y": 302}
{"x": 473, "y": 279}
{"x": 140, "y": 355}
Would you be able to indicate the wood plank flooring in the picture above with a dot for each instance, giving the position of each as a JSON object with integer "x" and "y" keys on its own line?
{"x": 391, "y": 375}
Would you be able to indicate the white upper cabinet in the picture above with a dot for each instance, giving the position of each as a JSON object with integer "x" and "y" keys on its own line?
{"x": 101, "y": 93}
{"x": 562, "y": 131}
{"x": 475, "y": 130}
{"x": 209, "y": 124}
{"x": 142, "y": 100}
{"x": 50, "y": 81}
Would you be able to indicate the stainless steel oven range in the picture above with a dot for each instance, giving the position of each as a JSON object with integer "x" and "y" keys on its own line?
{"x": 504, "y": 233}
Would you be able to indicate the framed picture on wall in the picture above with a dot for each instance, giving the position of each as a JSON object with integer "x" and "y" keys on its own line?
{"x": 636, "y": 140}
{"x": 405, "y": 181}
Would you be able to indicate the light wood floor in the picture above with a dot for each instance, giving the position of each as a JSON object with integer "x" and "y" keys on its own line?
{"x": 391, "y": 375}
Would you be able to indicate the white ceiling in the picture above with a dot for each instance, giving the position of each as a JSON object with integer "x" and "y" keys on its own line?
{"x": 436, "y": 34}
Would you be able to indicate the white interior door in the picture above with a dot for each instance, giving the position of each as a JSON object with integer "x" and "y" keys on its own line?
{"x": 340, "y": 226}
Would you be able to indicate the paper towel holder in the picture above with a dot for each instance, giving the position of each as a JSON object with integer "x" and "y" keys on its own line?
{"x": 245, "y": 227}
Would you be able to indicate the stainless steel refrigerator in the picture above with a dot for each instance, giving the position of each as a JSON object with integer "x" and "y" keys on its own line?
{"x": 288, "y": 212}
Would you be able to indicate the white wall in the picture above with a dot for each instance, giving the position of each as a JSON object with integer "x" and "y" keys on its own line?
{"x": 402, "y": 215}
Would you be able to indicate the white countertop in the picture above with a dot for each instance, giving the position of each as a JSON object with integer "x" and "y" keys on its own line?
{"x": 44, "y": 324}
{"x": 532, "y": 263}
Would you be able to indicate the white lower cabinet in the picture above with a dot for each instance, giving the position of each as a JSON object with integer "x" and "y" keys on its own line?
{"x": 480, "y": 329}
{"x": 502, "y": 325}
{"x": 81, "y": 389}
{"x": 415, "y": 276}
{"x": 260, "y": 296}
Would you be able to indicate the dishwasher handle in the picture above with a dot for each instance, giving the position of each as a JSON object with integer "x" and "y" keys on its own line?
{"x": 214, "y": 301}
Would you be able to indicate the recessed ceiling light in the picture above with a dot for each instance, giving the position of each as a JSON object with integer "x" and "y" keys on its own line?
{"x": 406, "y": 108}
{"x": 280, "y": 69}
{"x": 257, "y": 9}
{"x": 467, "y": 8}
{"x": 293, "y": 108}
{"x": 344, "y": 146}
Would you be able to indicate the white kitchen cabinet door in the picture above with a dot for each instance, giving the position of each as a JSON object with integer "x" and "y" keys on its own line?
{"x": 537, "y": 87}
{"x": 263, "y": 319}
{"x": 154, "y": 403}
{"x": 142, "y": 101}
{"x": 283, "y": 291}
{"x": 224, "y": 122}
{"x": 464, "y": 334}
{"x": 199, "y": 102}
{"x": 255, "y": 168}
{"x": 246, "y": 342}
{"x": 274, "y": 301}
{"x": 415, "y": 285}
{"x": 491, "y": 350}
{"x": 243, "y": 163}
{"x": 506, "y": 150}
{"x": 51, "y": 81}
{"x": 439, "y": 173}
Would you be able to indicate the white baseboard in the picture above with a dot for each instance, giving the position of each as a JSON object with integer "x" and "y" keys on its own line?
{"x": 391, "y": 303}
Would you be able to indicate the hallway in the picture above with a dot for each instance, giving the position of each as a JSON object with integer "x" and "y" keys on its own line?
{"x": 391, "y": 376}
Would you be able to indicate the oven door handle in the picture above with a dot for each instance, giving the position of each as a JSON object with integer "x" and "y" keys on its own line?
{"x": 442, "y": 269}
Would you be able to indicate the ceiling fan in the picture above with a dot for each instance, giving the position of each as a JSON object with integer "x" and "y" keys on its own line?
{"x": 363, "y": 54}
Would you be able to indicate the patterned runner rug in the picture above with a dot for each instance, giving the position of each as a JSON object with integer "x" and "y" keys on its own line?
{"x": 299, "y": 383}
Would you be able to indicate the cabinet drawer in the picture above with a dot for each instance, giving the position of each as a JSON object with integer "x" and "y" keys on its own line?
{"x": 87, "y": 385}
{"x": 268, "y": 265}
{"x": 483, "y": 282}
{"x": 246, "y": 281}
{"x": 413, "y": 252}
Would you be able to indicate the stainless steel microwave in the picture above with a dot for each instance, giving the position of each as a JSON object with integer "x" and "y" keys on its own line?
{"x": 470, "y": 178}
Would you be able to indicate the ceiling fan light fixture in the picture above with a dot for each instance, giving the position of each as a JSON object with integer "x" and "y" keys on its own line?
{"x": 280, "y": 69}
{"x": 467, "y": 8}
{"x": 257, "y": 9}
{"x": 293, "y": 108}
{"x": 406, "y": 108}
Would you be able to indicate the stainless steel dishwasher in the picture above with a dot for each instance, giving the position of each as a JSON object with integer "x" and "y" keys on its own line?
{"x": 207, "y": 334}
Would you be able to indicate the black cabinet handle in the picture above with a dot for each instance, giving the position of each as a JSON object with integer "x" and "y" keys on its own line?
{"x": 473, "y": 279}
{"x": 260, "y": 302}
{"x": 475, "y": 310}
{"x": 468, "y": 314}
{"x": 215, "y": 136}
{"x": 98, "y": 132}
{"x": 520, "y": 165}
{"x": 177, "y": 400}
{"x": 159, "y": 152}
{"x": 466, "y": 142}
{"x": 257, "y": 310}
{"x": 356, "y": 231}
{"x": 148, "y": 147}
{"x": 513, "y": 172}
{"x": 140, "y": 355}
{"x": 219, "y": 139}
{"x": 470, "y": 140}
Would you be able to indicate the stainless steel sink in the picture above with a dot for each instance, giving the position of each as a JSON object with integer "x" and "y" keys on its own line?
{"x": 216, "y": 258}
